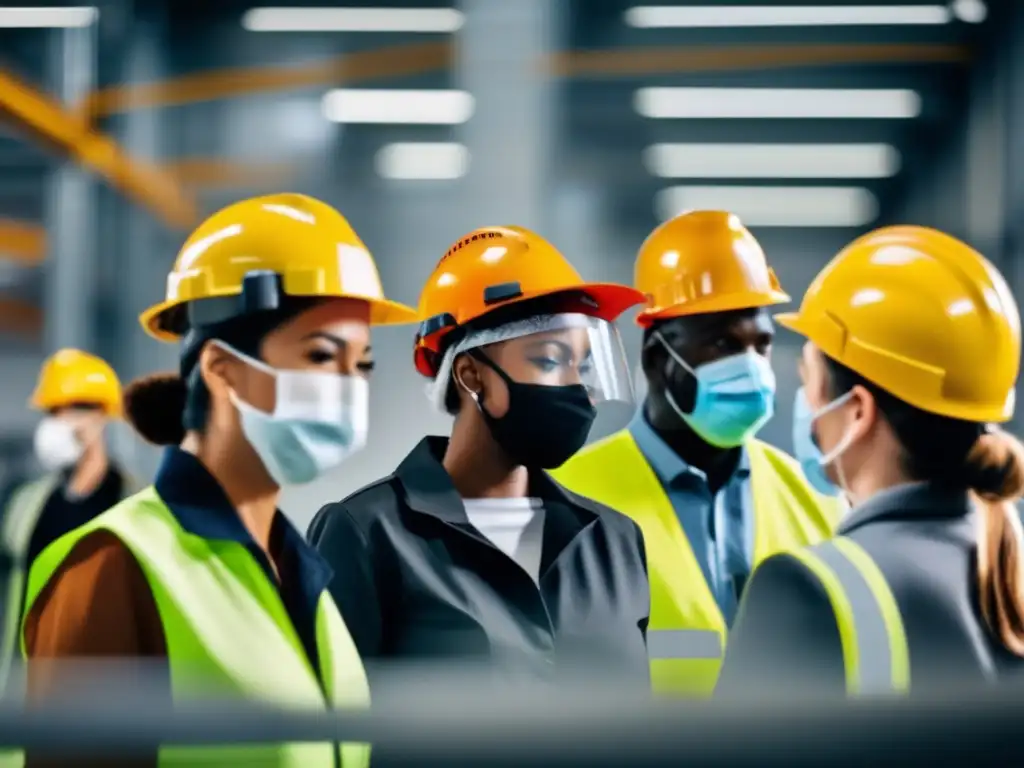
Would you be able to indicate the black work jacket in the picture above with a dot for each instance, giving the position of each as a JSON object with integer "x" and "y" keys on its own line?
{"x": 923, "y": 540}
{"x": 415, "y": 581}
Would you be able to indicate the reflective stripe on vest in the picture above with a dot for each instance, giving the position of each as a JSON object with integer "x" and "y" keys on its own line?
{"x": 686, "y": 632}
{"x": 684, "y": 644}
{"x": 19, "y": 523}
{"x": 875, "y": 652}
{"x": 228, "y": 634}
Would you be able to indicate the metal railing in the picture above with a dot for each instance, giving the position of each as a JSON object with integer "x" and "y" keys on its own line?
{"x": 457, "y": 718}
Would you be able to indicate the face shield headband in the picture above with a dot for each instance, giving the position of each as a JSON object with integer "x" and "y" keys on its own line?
{"x": 606, "y": 375}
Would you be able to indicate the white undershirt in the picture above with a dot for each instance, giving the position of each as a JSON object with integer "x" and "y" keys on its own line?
{"x": 515, "y": 526}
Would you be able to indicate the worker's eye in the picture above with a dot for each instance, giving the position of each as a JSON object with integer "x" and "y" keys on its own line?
{"x": 321, "y": 356}
{"x": 546, "y": 364}
{"x": 366, "y": 367}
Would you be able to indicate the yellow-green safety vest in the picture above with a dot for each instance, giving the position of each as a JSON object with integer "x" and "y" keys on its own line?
{"x": 228, "y": 633}
{"x": 686, "y": 633}
{"x": 876, "y": 657}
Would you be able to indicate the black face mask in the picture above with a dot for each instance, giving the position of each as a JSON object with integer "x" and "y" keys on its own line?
{"x": 544, "y": 426}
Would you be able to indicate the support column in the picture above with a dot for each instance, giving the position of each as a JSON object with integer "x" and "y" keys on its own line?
{"x": 143, "y": 248}
{"x": 71, "y": 214}
{"x": 500, "y": 57}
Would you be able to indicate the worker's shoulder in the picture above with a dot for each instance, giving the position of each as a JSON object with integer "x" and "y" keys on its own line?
{"x": 98, "y": 561}
{"x": 361, "y": 508}
{"x": 920, "y": 557}
{"x": 610, "y": 518}
{"x": 788, "y": 577}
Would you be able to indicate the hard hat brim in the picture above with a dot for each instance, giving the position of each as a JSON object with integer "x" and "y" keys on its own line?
{"x": 382, "y": 312}
{"x": 713, "y": 305}
{"x": 610, "y": 299}
{"x": 39, "y": 403}
{"x": 790, "y": 320}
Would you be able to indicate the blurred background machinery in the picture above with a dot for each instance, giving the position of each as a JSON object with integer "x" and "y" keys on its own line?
{"x": 122, "y": 124}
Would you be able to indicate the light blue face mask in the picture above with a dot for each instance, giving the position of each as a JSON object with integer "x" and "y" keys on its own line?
{"x": 319, "y": 420}
{"x": 806, "y": 450}
{"x": 735, "y": 397}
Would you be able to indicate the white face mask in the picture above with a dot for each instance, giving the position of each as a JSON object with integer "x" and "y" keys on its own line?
{"x": 56, "y": 444}
{"x": 319, "y": 420}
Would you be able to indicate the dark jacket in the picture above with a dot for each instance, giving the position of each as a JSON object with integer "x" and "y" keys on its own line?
{"x": 414, "y": 580}
{"x": 922, "y": 538}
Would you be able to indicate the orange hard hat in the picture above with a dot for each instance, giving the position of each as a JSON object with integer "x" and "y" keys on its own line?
{"x": 496, "y": 267}
{"x": 701, "y": 262}
{"x": 922, "y": 315}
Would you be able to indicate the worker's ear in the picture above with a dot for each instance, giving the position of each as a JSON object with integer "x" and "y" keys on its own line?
{"x": 865, "y": 411}
{"x": 466, "y": 375}
{"x": 219, "y": 369}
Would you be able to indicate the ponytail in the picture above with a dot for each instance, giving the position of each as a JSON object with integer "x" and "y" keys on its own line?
{"x": 155, "y": 405}
{"x": 995, "y": 472}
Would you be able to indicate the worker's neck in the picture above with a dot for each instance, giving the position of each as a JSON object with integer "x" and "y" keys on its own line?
{"x": 717, "y": 464}
{"x": 90, "y": 470}
{"x": 245, "y": 482}
{"x": 479, "y": 469}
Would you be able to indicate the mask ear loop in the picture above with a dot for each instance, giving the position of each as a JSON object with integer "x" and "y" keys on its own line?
{"x": 675, "y": 355}
{"x": 833, "y": 456}
{"x": 682, "y": 364}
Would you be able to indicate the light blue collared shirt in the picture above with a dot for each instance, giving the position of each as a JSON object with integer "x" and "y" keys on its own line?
{"x": 720, "y": 529}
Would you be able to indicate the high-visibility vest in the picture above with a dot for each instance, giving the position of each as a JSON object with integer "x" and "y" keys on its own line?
{"x": 686, "y": 633}
{"x": 228, "y": 633}
{"x": 876, "y": 657}
{"x": 21, "y": 515}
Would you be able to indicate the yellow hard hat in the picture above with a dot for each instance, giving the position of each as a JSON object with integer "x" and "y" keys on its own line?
{"x": 72, "y": 377}
{"x": 700, "y": 262}
{"x": 244, "y": 256}
{"x": 922, "y": 315}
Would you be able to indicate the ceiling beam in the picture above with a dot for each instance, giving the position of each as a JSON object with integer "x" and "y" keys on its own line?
{"x": 20, "y": 318}
{"x": 427, "y": 58}
{"x": 645, "y": 61}
{"x": 52, "y": 125}
{"x": 22, "y": 242}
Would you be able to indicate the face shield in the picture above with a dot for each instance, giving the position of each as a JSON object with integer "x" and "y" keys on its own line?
{"x": 549, "y": 350}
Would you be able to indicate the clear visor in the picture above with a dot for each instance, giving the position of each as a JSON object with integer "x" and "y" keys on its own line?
{"x": 550, "y": 350}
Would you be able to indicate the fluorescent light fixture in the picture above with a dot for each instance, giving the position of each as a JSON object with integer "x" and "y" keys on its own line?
{"x": 772, "y": 161}
{"x": 76, "y": 17}
{"x": 753, "y": 103}
{"x": 352, "y": 20}
{"x": 354, "y": 105}
{"x": 705, "y": 16}
{"x": 775, "y": 206}
{"x": 970, "y": 11}
{"x": 422, "y": 161}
